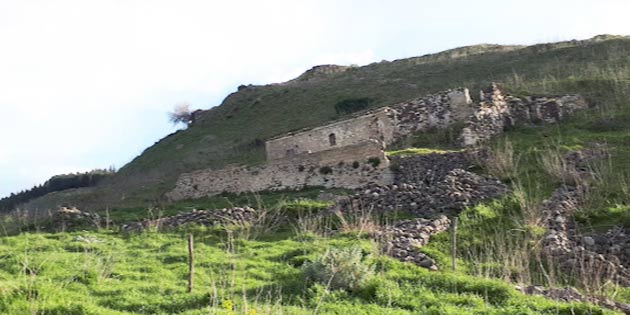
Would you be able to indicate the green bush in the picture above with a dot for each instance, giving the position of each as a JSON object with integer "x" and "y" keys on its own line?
{"x": 326, "y": 170}
{"x": 374, "y": 161}
{"x": 339, "y": 269}
{"x": 352, "y": 105}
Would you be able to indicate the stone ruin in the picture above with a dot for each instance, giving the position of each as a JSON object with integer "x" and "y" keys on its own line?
{"x": 498, "y": 111}
{"x": 387, "y": 125}
{"x": 350, "y": 153}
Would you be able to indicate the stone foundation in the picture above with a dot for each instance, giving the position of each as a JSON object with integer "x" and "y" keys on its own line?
{"x": 348, "y": 167}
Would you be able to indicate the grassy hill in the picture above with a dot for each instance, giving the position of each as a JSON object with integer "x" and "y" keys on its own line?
{"x": 239, "y": 269}
{"x": 233, "y": 132}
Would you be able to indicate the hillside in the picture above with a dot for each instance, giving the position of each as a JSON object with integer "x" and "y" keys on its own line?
{"x": 536, "y": 221}
{"x": 233, "y": 132}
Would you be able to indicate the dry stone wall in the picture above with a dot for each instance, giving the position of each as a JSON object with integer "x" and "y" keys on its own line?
{"x": 403, "y": 239}
{"x": 436, "y": 111}
{"x": 595, "y": 258}
{"x": 237, "y": 216}
{"x": 427, "y": 186}
{"x": 496, "y": 111}
{"x": 349, "y": 167}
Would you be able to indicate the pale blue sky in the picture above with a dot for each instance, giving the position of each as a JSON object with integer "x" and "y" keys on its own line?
{"x": 87, "y": 84}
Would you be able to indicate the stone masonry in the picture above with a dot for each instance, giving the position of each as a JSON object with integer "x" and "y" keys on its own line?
{"x": 351, "y": 167}
{"x": 497, "y": 111}
{"x": 349, "y": 153}
{"x": 386, "y": 125}
{"x": 377, "y": 125}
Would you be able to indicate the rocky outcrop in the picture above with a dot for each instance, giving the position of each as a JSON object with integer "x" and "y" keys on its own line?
{"x": 236, "y": 215}
{"x": 403, "y": 239}
{"x": 615, "y": 242}
{"x": 320, "y": 72}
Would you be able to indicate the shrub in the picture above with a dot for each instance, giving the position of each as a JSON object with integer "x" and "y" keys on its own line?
{"x": 374, "y": 161}
{"x": 355, "y": 164}
{"x": 556, "y": 166}
{"x": 339, "y": 269}
{"x": 501, "y": 161}
{"x": 352, "y": 105}
{"x": 326, "y": 170}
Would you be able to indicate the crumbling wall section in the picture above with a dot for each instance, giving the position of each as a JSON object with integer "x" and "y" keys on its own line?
{"x": 387, "y": 125}
{"x": 496, "y": 111}
{"x": 350, "y": 167}
{"x": 436, "y": 111}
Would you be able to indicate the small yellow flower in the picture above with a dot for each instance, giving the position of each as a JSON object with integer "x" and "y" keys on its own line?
{"x": 227, "y": 305}
{"x": 252, "y": 312}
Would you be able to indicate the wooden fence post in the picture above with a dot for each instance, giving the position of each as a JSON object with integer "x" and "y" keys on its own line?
{"x": 453, "y": 242}
{"x": 191, "y": 259}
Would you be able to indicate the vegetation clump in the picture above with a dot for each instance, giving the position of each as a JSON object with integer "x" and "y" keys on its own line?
{"x": 374, "y": 161}
{"x": 352, "y": 105}
{"x": 339, "y": 268}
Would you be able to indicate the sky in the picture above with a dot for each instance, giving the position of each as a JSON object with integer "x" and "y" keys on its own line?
{"x": 87, "y": 84}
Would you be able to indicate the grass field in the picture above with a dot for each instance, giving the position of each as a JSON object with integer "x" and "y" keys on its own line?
{"x": 105, "y": 273}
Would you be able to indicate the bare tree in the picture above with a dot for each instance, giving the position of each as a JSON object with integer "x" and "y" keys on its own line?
{"x": 181, "y": 114}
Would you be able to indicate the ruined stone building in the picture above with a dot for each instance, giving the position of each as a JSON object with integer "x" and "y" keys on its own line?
{"x": 385, "y": 125}
{"x": 350, "y": 153}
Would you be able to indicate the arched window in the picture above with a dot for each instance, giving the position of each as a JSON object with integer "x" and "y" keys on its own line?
{"x": 332, "y": 139}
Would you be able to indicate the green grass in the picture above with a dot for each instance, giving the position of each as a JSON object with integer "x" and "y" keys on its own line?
{"x": 107, "y": 273}
{"x": 291, "y": 201}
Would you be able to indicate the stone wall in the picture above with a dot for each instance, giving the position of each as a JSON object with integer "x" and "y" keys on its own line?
{"x": 496, "y": 111}
{"x": 351, "y": 167}
{"x": 377, "y": 125}
{"x": 387, "y": 125}
{"x": 436, "y": 111}
{"x": 489, "y": 119}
